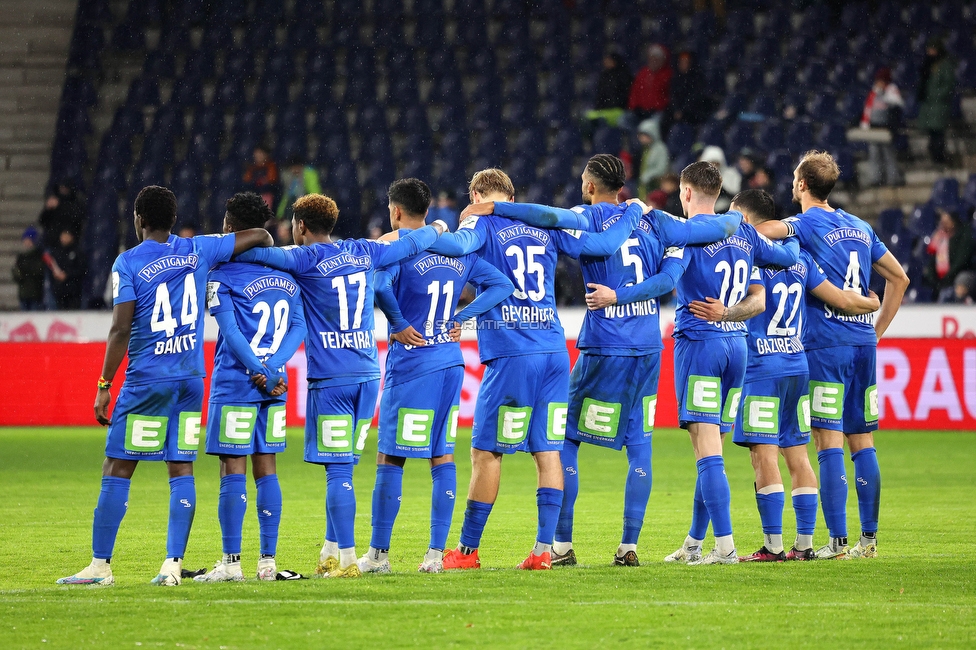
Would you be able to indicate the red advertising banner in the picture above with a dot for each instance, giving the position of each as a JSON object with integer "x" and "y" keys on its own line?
{"x": 922, "y": 383}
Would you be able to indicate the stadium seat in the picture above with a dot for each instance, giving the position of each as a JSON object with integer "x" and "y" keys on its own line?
{"x": 890, "y": 221}
{"x": 712, "y": 134}
{"x": 780, "y": 162}
{"x": 832, "y": 136}
{"x": 969, "y": 193}
{"x": 763, "y": 104}
{"x": 680, "y": 139}
{"x": 739, "y": 137}
{"x": 607, "y": 139}
{"x": 922, "y": 220}
{"x": 799, "y": 136}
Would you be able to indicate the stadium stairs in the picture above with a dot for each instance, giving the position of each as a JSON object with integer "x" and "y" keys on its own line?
{"x": 34, "y": 40}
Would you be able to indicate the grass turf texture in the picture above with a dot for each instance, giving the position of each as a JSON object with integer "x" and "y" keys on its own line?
{"x": 920, "y": 592}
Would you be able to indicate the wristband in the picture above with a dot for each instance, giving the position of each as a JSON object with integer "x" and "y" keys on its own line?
{"x": 104, "y": 383}
{"x": 443, "y": 225}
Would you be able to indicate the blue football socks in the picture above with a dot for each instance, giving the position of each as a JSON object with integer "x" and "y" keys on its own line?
{"x": 113, "y": 500}
{"x": 637, "y": 491}
{"x": 269, "y": 512}
{"x": 182, "y": 506}
{"x": 699, "y": 513}
{"x": 475, "y": 518}
{"x": 231, "y": 508}
{"x": 548, "y": 501}
{"x": 716, "y": 494}
{"x": 833, "y": 491}
{"x": 386, "y": 504}
{"x": 770, "y": 501}
{"x": 442, "y": 498}
{"x": 569, "y": 457}
{"x": 805, "y": 507}
{"x": 340, "y": 503}
{"x": 867, "y": 482}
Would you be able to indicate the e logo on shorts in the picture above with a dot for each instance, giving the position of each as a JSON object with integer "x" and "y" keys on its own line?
{"x": 513, "y": 424}
{"x": 803, "y": 414}
{"x": 276, "y": 430}
{"x": 599, "y": 418}
{"x": 335, "y": 434}
{"x": 871, "y": 404}
{"x": 452, "y": 425}
{"x": 760, "y": 414}
{"x": 650, "y": 412}
{"x": 145, "y": 433}
{"x": 732, "y": 405}
{"x": 704, "y": 394}
{"x": 237, "y": 424}
{"x": 558, "y": 415}
{"x": 362, "y": 432}
{"x": 826, "y": 400}
{"x": 414, "y": 427}
{"x": 189, "y": 433}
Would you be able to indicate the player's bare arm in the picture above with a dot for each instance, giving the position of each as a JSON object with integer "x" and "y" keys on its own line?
{"x": 712, "y": 310}
{"x": 601, "y": 297}
{"x": 848, "y": 302}
{"x": 478, "y": 210}
{"x": 773, "y": 229}
{"x": 245, "y": 240}
{"x": 409, "y": 336}
{"x": 115, "y": 349}
{"x": 896, "y": 284}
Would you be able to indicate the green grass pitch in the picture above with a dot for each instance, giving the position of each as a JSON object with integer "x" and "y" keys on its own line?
{"x": 921, "y": 592}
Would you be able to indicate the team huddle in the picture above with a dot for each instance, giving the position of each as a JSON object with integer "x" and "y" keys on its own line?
{"x": 774, "y": 340}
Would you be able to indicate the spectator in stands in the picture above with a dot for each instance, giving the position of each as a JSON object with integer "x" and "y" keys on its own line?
{"x": 731, "y": 178}
{"x": 761, "y": 179}
{"x": 747, "y": 164}
{"x": 951, "y": 248}
{"x": 63, "y": 210}
{"x": 28, "y": 272}
{"x": 67, "y": 287}
{"x": 935, "y": 87}
{"x": 670, "y": 186}
{"x": 445, "y": 209}
{"x": 612, "y": 90}
{"x": 650, "y": 94}
{"x": 297, "y": 180}
{"x": 261, "y": 175}
{"x": 964, "y": 288}
{"x": 654, "y": 162}
{"x": 882, "y": 110}
{"x": 689, "y": 101}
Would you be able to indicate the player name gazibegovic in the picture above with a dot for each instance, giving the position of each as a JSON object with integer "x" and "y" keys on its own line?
{"x": 791, "y": 345}
{"x": 338, "y": 340}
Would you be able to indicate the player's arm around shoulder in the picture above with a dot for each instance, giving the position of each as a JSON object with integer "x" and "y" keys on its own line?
{"x": 385, "y": 253}
{"x": 245, "y": 240}
{"x": 712, "y": 310}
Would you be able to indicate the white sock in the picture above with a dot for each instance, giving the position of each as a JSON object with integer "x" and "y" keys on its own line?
{"x": 433, "y": 554}
{"x": 376, "y": 555}
{"x": 562, "y": 548}
{"x": 865, "y": 541}
{"x": 541, "y": 548}
{"x": 803, "y": 542}
{"x": 774, "y": 543}
{"x": 100, "y": 565}
{"x": 692, "y": 543}
{"x": 724, "y": 545}
{"x": 624, "y": 548}
{"x": 347, "y": 556}
{"x": 230, "y": 561}
{"x": 329, "y": 549}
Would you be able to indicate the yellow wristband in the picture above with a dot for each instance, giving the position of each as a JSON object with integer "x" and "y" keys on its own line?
{"x": 104, "y": 383}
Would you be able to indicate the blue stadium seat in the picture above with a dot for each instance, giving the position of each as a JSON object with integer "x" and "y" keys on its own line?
{"x": 799, "y": 136}
{"x": 733, "y": 104}
{"x": 333, "y": 148}
{"x": 493, "y": 145}
{"x": 681, "y": 138}
{"x": 739, "y": 137}
{"x": 763, "y": 104}
{"x": 945, "y": 193}
{"x": 229, "y": 92}
{"x": 969, "y": 193}
{"x": 780, "y": 162}
{"x": 199, "y": 64}
{"x": 187, "y": 93}
{"x": 567, "y": 144}
{"x": 922, "y": 220}
{"x": 485, "y": 116}
{"x": 238, "y": 63}
{"x": 890, "y": 221}
{"x": 712, "y": 134}
{"x": 832, "y": 136}
{"x": 129, "y": 36}
{"x": 607, "y": 139}
{"x": 522, "y": 171}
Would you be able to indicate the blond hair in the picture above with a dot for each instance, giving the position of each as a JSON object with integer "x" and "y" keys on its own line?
{"x": 489, "y": 181}
{"x": 820, "y": 172}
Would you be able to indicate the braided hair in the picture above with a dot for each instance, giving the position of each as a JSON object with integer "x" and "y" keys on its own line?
{"x": 608, "y": 170}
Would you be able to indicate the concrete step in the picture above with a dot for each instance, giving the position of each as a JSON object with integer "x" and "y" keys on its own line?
{"x": 25, "y": 161}
{"x": 50, "y": 92}
{"x": 33, "y": 13}
{"x": 31, "y": 119}
{"x": 12, "y": 148}
{"x": 16, "y": 38}
{"x": 23, "y": 75}
{"x": 39, "y": 132}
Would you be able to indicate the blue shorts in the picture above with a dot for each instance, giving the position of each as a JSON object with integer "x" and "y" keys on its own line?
{"x": 522, "y": 404}
{"x": 158, "y": 421}
{"x": 337, "y": 421}
{"x": 708, "y": 377}
{"x": 612, "y": 399}
{"x": 245, "y": 429}
{"x": 418, "y": 418}
{"x": 844, "y": 388}
{"x": 774, "y": 412}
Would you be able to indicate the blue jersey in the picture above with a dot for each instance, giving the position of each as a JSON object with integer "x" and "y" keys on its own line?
{"x": 336, "y": 281}
{"x": 721, "y": 270}
{"x": 167, "y": 281}
{"x": 775, "y": 336}
{"x": 264, "y": 301}
{"x": 631, "y": 329}
{"x": 427, "y": 288}
{"x": 845, "y": 247}
{"x": 526, "y": 322}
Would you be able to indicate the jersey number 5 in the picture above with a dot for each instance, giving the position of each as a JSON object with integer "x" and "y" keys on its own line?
{"x": 162, "y": 315}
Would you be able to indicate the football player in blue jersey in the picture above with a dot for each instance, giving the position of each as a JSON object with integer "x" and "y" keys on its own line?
{"x": 523, "y": 398}
{"x": 774, "y": 413}
{"x": 422, "y": 387}
{"x": 259, "y": 311}
{"x": 710, "y": 356}
{"x": 159, "y": 290}
{"x": 613, "y": 386}
{"x": 336, "y": 279}
{"x": 841, "y": 349}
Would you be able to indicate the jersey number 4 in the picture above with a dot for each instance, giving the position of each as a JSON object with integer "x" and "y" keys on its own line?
{"x": 162, "y": 315}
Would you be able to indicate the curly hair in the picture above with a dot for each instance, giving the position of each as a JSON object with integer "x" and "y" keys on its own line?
{"x": 247, "y": 210}
{"x": 156, "y": 206}
{"x": 318, "y": 212}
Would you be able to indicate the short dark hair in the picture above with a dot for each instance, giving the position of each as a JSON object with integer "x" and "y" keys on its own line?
{"x": 411, "y": 194}
{"x": 156, "y": 206}
{"x": 820, "y": 171}
{"x": 702, "y": 176}
{"x": 608, "y": 170}
{"x": 247, "y": 210}
{"x": 758, "y": 204}
{"x": 318, "y": 212}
